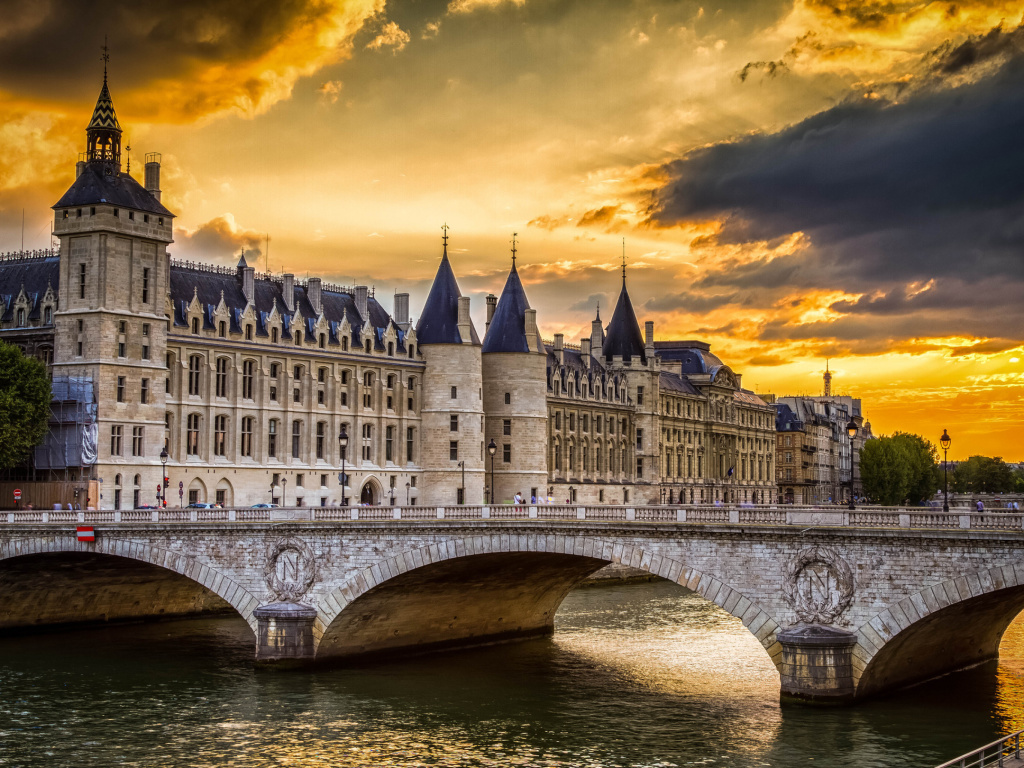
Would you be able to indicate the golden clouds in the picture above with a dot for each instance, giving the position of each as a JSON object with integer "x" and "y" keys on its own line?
{"x": 391, "y": 36}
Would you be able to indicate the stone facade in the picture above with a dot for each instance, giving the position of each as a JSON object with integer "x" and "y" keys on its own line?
{"x": 247, "y": 380}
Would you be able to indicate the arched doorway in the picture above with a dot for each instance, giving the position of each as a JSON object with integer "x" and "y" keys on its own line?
{"x": 368, "y": 495}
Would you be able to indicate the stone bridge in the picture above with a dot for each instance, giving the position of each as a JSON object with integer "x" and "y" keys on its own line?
{"x": 847, "y": 604}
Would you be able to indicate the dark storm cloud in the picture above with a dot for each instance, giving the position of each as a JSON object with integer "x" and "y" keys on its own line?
{"x": 54, "y": 46}
{"x": 687, "y": 301}
{"x": 886, "y": 192}
{"x": 951, "y": 59}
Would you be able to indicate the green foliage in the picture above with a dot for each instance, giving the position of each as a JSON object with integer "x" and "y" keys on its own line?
{"x": 984, "y": 474}
{"x": 24, "y": 404}
{"x": 897, "y": 468}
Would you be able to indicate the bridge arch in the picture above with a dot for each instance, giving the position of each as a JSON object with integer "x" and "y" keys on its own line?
{"x": 947, "y": 626}
{"x": 200, "y": 573}
{"x": 562, "y": 560}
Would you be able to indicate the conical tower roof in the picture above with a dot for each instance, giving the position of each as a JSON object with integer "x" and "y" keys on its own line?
{"x": 623, "y": 335}
{"x": 507, "y": 331}
{"x": 439, "y": 323}
{"x": 103, "y": 116}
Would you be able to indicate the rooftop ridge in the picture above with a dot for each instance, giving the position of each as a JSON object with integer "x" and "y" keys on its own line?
{"x": 270, "y": 277}
{"x": 38, "y": 254}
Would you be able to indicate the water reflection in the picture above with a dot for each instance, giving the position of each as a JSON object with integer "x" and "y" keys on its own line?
{"x": 642, "y": 675}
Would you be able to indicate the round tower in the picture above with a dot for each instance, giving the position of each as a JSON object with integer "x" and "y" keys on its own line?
{"x": 452, "y": 439}
{"x": 515, "y": 396}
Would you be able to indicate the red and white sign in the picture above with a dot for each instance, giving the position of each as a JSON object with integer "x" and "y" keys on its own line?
{"x": 17, "y": 494}
{"x": 86, "y": 533}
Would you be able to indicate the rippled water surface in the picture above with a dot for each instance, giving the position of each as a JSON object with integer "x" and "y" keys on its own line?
{"x": 639, "y": 675}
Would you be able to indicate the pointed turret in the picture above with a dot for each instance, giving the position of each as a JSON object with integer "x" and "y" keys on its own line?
{"x": 103, "y": 133}
{"x": 507, "y": 330}
{"x": 624, "y": 338}
{"x": 443, "y": 313}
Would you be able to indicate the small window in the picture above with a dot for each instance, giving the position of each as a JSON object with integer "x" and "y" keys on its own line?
{"x": 508, "y": 398}
{"x": 131, "y": 215}
{"x": 145, "y": 218}
{"x": 273, "y": 335}
{"x": 145, "y": 285}
{"x": 120, "y": 389}
{"x": 144, "y": 392}
{"x": 321, "y": 375}
{"x": 195, "y": 325}
{"x": 117, "y": 213}
{"x": 506, "y": 427}
{"x": 455, "y": 392}
{"x": 297, "y": 372}
{"x": 248, "y": 333}
{"x": 453, "y": 423}
{"x": 506, "y": 453}
{"x": 92, "y": 211}
{"x": 453, "y": 450}
{"x": 222, "y": 329}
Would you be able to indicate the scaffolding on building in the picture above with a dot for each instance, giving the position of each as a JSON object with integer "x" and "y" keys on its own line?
{"x": 68, "y": 451}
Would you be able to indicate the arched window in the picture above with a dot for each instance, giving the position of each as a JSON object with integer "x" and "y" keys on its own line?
{"x": 296, "y": 438}
{"x": 220, "y": 434}
{"x": 368, "y": 379}
{"x": 222, "y": 377}
{"x": 321, "y": 433}
{"x": 246, "y": 449}
{"x": 273, "y": 335}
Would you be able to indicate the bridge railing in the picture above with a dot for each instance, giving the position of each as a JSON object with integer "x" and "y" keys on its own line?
{"x": 998, "y": 753}
{"x": 744, "y": 514}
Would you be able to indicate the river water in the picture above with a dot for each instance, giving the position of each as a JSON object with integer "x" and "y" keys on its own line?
{"x": 635, "y": 675}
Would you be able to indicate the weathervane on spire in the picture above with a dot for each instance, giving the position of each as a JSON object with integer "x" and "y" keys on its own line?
{"x": 444, "y": 236}
{"x": 623, "y": 260}
{"x": 128, "y": 149}
{"x": 514, "y": 235}
{"x": 105, "y": 56}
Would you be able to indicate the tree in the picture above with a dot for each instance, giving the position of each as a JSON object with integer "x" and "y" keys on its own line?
{"x": 897, "y": 468}
{"x": 983, "y": 474}
{"x": 24, "y": 404}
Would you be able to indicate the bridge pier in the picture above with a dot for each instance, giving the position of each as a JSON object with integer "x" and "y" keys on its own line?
{"x": 284, "y": 637}
{"x": 817, "y": 665}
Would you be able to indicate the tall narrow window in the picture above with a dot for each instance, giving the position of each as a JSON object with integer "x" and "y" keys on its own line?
{"x": 410, "y": 435}
{"x": 81, "y": 281}
{"x": 389, "y": 436}
{"x": 296, "y": 438}
{"x": 145, "y": 341}
{"x": 120, "y": 389}
{"x": 453, "y": 450}
{"x": 144, "y": 392}
{"x": 195, "y": 326}
{"x": 222, "y": 329}
{"x": 321, "y": 429}
{"x": 194, "y": 363}
{"x": 116, "y": 433}
{"x": 248, "y": 375}
{"x": 137, "y": 441}
{"x": 272, "y": 439}
{"x": 247, "y": 422}
{"x": 506, "y": 453}
{"x": 192, "y": 435}
{"x": 220, "y": 435}
{"x": 145, "y": 285}
{"x": 453, "y": 423}
{"x": 222, "y": 377}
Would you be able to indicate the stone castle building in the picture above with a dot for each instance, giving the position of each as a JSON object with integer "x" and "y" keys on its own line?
{"x": 247, "y": 380}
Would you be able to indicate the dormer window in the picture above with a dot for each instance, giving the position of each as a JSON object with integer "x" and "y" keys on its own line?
{"x": 248, "y": 333}
{"x": 48, "y": 315}
{"x": 79, "y": 214}
{"x": 117, "y": 213}
{"x": 131, "y": 215}
{"x": 20, "y": 318}
{"x": 195, "y": 326}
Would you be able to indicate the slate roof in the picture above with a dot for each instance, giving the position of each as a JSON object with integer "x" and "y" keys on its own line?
{"x": 673, "y": 382}
{"x": 32, "y": 274}
{"x": 622, "y": 337}
{"x": 695, "y": 356}
{"x": 507, "y": 331}
{"x": 786, "y": 420}
{"x": 207, "y": 286}
{"x": 94, "y": 186}
{"x": 439, "y": 322}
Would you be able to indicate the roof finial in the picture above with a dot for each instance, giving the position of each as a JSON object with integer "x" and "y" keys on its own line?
{"x": 128, "y": 149}
{"x": 444, "y": 237}
{"x": 514, "y": 235}
{"x": 623, "y": 261}
{"x": 106, "y": 57}
{"x": 599, "y": 310}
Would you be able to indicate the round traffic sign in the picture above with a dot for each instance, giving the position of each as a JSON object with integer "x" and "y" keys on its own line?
{"x": 17, "y": 494}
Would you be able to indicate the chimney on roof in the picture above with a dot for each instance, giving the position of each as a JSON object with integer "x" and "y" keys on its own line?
{"x": 402, "y": 311}
{"x": 492, "y": 304}
{"x": 79, "y": 167}
{"x": 361, "y": 295}
{"x": 249, "y": 283}
{"x": 153, "y": 174}
{"x": 560, "y": 348}
{"x": 532, "y": 334}
{"x": 289, "y": 292}
{"x": 585, "y": 351}
{"x": 315, "y": 295}
{"x": 597, "y": 333}
{"x": 464, "y": 323}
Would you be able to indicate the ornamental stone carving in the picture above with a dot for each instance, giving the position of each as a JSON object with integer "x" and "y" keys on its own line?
{"x": 290, "y": 569}
{"x": 819, "y": 585}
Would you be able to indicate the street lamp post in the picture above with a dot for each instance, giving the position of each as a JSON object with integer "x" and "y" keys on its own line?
{"x": 284, "y": 489}
{"x": 492, "y": 449}
{"x": 851, "y": 430}
{"x": 945, "y": 441}
{"x": 572, "y": 494}
{"x": 462, "y": 488}
{"x": 272, "y": 486}
{"x": 163, "y": 478}
{"x": 343, "y": 448}
{"x": 407, "y": 486}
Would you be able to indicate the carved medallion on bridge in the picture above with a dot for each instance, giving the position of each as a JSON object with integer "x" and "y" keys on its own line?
{"x": 819, "y": 585}
{"x": 290, "y": 569}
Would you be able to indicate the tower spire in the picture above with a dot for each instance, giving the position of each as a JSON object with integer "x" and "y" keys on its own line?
{"x": 103, "y": 134}
{"x": 514, "y": 235}
{"x": 444, "y": 237}
{"x": 623, "y": 261}
{"x": 828, "y": 380}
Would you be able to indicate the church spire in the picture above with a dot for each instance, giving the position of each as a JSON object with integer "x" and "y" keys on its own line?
{"x": 103, "y": 134}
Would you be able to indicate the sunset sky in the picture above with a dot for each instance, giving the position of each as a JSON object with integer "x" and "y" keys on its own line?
{"x": 794, "y": 181}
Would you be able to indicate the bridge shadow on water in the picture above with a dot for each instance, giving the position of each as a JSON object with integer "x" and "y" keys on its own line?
{"x": 637, "y": 675}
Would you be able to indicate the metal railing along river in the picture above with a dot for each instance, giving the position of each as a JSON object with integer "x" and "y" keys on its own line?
{"x": 1004, "y": 752}
{"x": 760, "y": 515}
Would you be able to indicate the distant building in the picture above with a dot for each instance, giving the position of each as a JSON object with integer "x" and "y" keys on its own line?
{"x": 246, "y": 380}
